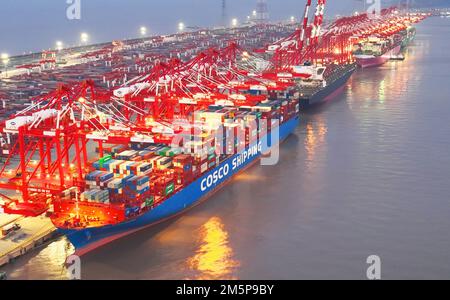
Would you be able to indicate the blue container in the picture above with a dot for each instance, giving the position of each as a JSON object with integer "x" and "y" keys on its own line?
{"x": 131, "y": 165}
{"x": 96, "y": 165}
{"x": 215, "y": 107}
{"x": 131, "y": 181}
{"x": 142, "y": 180}
{"x": 93, "y": 175}
{"x": 125, "y": 179}
{"x": 106, "y": 176}
{"x": 106, "y": 164}
{"x": 145, "y": 168}
{"x": 254, "y": 92}
{"x": 114, "y": 191}
{"x": 144, "y": 190}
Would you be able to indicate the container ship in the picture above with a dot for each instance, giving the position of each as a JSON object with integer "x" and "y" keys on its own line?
{"x": 322, "y": 83}
{"x": 375, "y": 51}
{"x": 141, "y": 184}
{"x": 408, "y": 36}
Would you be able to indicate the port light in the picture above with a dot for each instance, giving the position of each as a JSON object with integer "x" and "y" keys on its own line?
{"x": 143, "y": 30}
{"x": 84, "y": 37}
{"x": 5, "y": 58}
{"x": 59, "y": 45}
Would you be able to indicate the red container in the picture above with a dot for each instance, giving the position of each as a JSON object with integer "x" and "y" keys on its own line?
{"x": 183, "y": 177}
{"x": 160, "y": 185}
{"x": 183, "y": 159}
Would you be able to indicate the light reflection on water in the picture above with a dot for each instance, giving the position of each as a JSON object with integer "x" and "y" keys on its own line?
{"x": 214, "y": 257}
{"x": 315, "y": 139}
{"x": 49, "y": 261}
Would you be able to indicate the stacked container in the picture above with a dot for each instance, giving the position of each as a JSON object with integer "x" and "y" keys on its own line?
{"x": 183, "y": 165}
{"x": 168, "y": 152}
{"x": 96, "y": 195}
{"x": 115, "y": 186}
{"x": 127, "y": 155}
{"x": 136, "y": 186}
{"x": 163, "y": 186}
{"x": 162, "y": 163}
{"x": 98, "y": 179}
{"x": 111, "y": 149}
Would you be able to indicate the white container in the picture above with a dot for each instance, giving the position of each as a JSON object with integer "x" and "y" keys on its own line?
{"x": 204, "y": 168}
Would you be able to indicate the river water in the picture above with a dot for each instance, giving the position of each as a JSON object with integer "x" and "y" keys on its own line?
{"x": 366, "y": 174}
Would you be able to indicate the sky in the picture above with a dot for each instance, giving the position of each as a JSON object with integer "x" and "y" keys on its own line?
{"x": 33, "y": 25}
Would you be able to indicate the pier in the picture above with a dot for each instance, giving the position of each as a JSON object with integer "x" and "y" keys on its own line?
{"x": 33, "y": 232}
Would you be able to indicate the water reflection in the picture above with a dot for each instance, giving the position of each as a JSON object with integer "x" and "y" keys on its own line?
{"x": 249, "y": 177}
{"x": 382, "y": 91}
{"x": 213, "y": 259}
{"x": 48, "y": 263}
{"x": 378, "y": 85}
{"x": 315, "y": 139}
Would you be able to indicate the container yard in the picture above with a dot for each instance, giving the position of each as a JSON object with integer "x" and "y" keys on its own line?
{"x": 104, "y": 140}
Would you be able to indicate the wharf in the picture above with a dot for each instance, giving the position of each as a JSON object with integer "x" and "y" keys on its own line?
{"x": 33, "y": 233}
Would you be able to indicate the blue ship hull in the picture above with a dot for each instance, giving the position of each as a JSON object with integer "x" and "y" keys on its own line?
{"x": 85, "y": 240}
{"x": 330, "y": 91}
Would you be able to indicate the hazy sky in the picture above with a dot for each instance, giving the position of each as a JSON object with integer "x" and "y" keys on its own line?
{"x": 29, "y": 25}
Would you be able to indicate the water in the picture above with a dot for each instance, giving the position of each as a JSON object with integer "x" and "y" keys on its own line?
{"x": 365, "y": 174}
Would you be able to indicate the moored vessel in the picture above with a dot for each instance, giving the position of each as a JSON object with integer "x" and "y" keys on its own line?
{"x": 408, "y": 36}
{"x": 136, "y": 185}
{"x": 375, "y": 51}
{"x": 322, "y": 83}
{"x": 88, "y": 238}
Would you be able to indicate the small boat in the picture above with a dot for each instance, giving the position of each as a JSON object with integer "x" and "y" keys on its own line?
{"x": 398, "y": 57}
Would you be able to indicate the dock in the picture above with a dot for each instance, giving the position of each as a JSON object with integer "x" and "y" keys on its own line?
{"x": 33, "y": 233}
